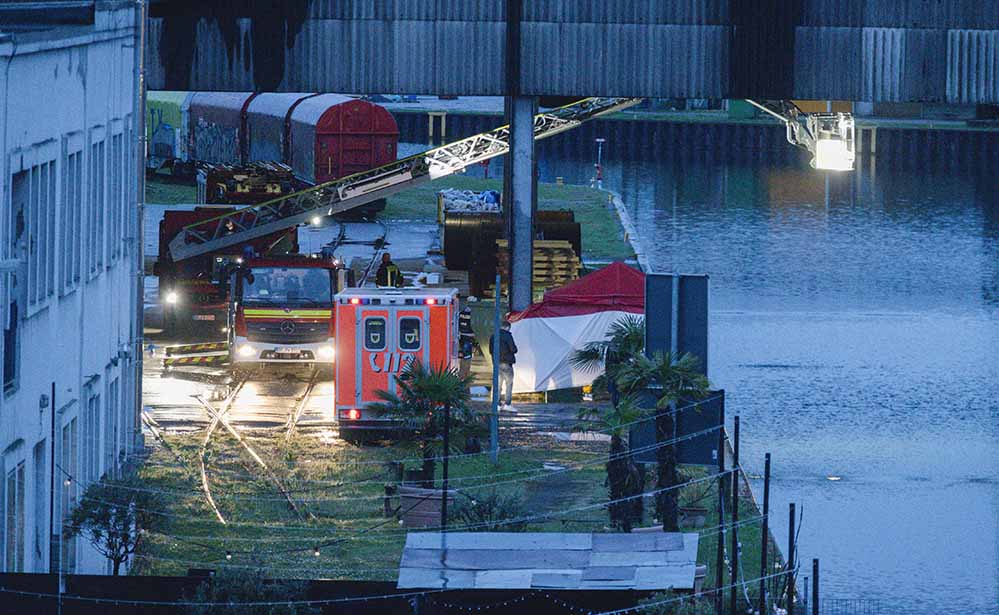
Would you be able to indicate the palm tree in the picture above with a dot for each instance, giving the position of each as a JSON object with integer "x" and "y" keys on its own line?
{"x": 625, "y": 339}
{"x": 623, "y": 477}
{"x": 672, "y": 379}
{"x": 423, "y": 393}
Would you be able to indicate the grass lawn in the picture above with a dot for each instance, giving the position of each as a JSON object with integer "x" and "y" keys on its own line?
{"x": 340, "y": 489}
{"x": 603, "y": 235}
{"x": 163, "y": 192}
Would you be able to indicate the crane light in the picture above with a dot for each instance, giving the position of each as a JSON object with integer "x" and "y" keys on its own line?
{"x": 833, "y": 146}
{"x": 828, "y": 137}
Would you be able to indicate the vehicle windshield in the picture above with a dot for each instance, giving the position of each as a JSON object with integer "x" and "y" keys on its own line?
{"x": 287, "y": 286}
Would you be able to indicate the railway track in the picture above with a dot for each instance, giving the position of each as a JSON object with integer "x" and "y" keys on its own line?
{"x": 255, "y": 407}
{"x": 300, "y": 407}
{"x": 215, "y": 418}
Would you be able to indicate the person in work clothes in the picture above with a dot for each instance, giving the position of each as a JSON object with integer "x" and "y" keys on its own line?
{"x": 388, "y": 273}
{"x": 507, "y": 357}
{"x": 466, "y": 342}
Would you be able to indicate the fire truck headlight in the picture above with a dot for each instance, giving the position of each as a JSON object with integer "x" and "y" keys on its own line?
{"x": 246, "y": 351}
{"x": 172, "y": 297}
{"x": 327, "y": 352}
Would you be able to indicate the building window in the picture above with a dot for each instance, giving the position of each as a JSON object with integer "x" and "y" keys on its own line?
{"x": 14, "y": 519}
{"x": 67, "y": 461}
{"x": 34, "y": 193}
{"x": 111, "y": 429}
{"x": 39, "y": 488}
{"x": 96, "y": 210}
{"x": 92, "y": 439}
{"x": 10, "y": 349}
{"x": 114, "y": 201}
{"x": 70, "y": 231}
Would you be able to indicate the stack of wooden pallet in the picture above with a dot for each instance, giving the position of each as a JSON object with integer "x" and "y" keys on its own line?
{"x": 555, "y": 263}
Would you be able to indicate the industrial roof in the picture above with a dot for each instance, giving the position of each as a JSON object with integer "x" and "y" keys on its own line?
{"x": 510, "y": 560}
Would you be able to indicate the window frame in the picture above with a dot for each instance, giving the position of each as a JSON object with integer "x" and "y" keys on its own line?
{"x": 96, "y": 162}
{"x": 401, "y": 339}
{"x": 72, "y": 207}
{"x": 364, "y": 332}
{"x": 14, "y": 517}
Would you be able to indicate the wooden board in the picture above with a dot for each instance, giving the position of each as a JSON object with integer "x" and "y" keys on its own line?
{"x": 481, "y": 541}
{"x": 660, "y": 541}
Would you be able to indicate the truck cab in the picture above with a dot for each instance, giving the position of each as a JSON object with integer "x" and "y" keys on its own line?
{"x": 194, "y": 291}
{"x": 281, "y": 309}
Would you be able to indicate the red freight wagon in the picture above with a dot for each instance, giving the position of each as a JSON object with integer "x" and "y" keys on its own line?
{"x": 320, "y": 136}
{"x": 378, "y": 333}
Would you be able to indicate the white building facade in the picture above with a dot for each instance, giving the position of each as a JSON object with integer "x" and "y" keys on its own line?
{"x": 68, "y": 262}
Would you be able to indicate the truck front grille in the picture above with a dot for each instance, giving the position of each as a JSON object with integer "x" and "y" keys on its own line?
{"x": 287, "y": 332}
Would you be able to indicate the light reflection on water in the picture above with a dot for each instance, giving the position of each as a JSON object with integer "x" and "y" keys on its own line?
{"x": 855, "y": 328}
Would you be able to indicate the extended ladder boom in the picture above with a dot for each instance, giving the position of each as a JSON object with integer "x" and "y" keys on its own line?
{"x": 355, "y": 190}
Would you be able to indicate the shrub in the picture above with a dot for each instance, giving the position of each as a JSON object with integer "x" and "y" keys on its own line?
{"x": 490, "y": 512}
{"x": 233, "y": 592}
{"x": 679, "y": 604}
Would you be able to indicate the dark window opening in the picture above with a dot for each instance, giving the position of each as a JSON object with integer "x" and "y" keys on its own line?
{"x": 409, "y": 334}
{"x": 374, "y": 334}
{"x": 10, "y": 348}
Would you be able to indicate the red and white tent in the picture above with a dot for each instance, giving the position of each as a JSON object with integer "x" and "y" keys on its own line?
{"x": 568, "y": 318}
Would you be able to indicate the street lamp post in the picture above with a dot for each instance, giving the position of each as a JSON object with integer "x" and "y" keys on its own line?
{"x": 599, "y": 169}
{"x": 447, "y": 456}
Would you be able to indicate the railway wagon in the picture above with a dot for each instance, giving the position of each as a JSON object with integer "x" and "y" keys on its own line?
{"x": 320, "y": 136}
{"x": 378, "y": 333}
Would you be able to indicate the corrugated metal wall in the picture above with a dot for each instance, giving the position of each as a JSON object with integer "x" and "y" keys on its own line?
{"x": 903, "y": 50}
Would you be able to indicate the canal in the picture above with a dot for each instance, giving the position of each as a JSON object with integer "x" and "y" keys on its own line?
{"x": 855, "y": 328}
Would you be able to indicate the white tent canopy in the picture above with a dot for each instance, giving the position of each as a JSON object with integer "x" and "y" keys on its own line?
{"x": 548, "y": 333}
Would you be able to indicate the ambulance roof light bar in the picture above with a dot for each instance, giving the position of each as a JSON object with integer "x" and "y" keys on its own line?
{"x": 355, "y": 190}
{"x": 828, "y": 137}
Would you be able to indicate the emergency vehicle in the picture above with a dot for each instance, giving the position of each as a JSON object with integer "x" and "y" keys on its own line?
{"x": 193, "y": 291}
{"x": 281, "y": 309}
{"x": 379, "y": 331}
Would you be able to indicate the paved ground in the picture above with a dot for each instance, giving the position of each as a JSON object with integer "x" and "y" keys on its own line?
{"x": 269, "y": 398}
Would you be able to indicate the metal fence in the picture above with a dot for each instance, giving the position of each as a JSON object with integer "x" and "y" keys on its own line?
{"x": 850, "y": 606}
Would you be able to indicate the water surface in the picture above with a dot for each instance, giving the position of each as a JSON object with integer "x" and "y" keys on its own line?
{"x": 855, "y": 328}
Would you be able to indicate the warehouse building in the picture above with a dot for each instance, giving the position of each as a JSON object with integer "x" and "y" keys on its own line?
{"x": 68, "y": 261}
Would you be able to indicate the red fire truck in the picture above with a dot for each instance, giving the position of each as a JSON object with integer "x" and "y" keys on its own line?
{"x": 193, "y": 291}
{"x": 378, "y": 333}
{"x": 281, "y": 309}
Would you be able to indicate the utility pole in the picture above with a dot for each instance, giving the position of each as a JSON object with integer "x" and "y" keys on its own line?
{"x": 53, "y": 537}
{"x": 494, "y": 415}
{"x": 815, "y": 586}
{"x": 720, "y": 553}
{"x": 447, "y": 457}
{"x": 765, "y": 535}
{"x": 790, "y": 561}
{"x": 598, "y": 168}
{"x": 138, "y": 326}
{"x": 734, "y": 591}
